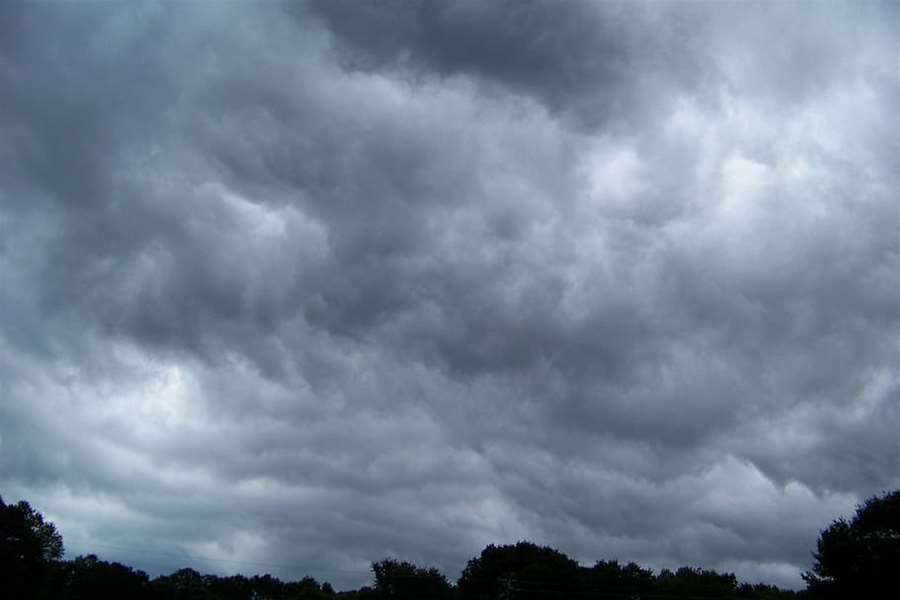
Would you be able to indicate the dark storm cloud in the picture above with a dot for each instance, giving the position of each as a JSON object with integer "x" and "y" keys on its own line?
{"x": 598, "y": 62}
{"x": 309, "y": 287}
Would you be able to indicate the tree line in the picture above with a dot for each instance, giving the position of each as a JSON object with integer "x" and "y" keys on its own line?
{"x": 856, "y": 558}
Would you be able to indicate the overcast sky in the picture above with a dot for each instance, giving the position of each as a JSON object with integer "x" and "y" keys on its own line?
{"x": 293, "y": 288}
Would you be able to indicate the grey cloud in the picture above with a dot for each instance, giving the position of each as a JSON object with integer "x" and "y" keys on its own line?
{"x": 313, "y": 286}
{"x": 599, "y": 63}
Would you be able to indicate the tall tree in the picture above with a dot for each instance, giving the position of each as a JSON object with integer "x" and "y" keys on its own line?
{"x": 521, "y": 570}
{"x": 30, "y": 548}
{"x": 395, "y": 580}
{"x": 859, "y": 558}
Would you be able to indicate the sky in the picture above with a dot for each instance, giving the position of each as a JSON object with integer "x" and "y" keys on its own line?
{"x": 295, "y": 287}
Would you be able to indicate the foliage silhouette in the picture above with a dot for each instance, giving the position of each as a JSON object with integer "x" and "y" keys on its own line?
{"x": 29, "y": 549}
{"x": 860, "y": 557}
{"x": 89, "y": 578}
{"x": 397, "y": 580}
{"x": 854, "y": 559}
{"x": 524, "y": 568}
{"x": 624, "y": 581}
{"x": 687, "y": 582}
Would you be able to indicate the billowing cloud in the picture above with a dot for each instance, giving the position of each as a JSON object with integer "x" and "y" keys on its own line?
{"x": 295, "y": 288}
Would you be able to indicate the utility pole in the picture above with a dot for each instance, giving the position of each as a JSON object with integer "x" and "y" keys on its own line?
{"x": 507, "y": 592}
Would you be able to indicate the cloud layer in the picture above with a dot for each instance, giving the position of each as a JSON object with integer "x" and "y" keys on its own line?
{"x": 295, "y": 288}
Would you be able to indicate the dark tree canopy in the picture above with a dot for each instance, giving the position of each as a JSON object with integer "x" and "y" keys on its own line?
{"x": 405, "y": 581}
{"x": 29, "y": 548}
{"x": 524, "y": 568}
{"x": 27, "y": 535}
{"x": 688, "y": 582}
{"x": 90, "y": 578}
{"x": 860, "y": 557}
{"x": 628, "y": 580}
{"x": 855, "y": 559}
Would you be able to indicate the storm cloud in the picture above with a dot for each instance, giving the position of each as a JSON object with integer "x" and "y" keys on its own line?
{"x": 293, "y": 288}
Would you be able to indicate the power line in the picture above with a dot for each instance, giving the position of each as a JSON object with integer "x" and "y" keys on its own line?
{"x": 201, "y": 558}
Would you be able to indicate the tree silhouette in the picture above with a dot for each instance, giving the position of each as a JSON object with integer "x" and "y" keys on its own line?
{"x": 689, "y": 582}
{"x": 29, "y": 550}
{"x": 183, "y": 584}
{"x": 523, "y": 570}
{"x": 397, "y": 580}
{"x": 609, "y": 577}
{"x": 859, "y": 558}
{"x": 853, "y": 561}
{"x": 89, "y": 578}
